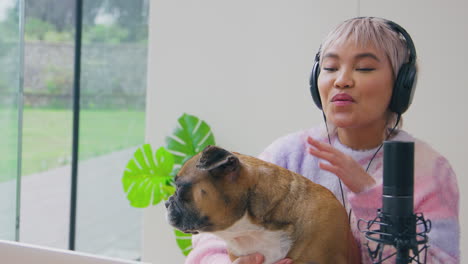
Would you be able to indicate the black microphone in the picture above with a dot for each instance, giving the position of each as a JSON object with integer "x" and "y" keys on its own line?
{"x": 397, "y": 197}
{"x": 396, "y": 224}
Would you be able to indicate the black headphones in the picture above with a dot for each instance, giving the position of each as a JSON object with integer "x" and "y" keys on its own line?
{"x": 405, "y": 81}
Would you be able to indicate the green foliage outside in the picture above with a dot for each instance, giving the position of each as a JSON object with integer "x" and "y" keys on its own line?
{"x": 149, "y": 177}
{"x": 38, "y": 30}
{"x": 112, "y": 34}
{"x": 127, "y": 21}
{"x": 47, "y": 135}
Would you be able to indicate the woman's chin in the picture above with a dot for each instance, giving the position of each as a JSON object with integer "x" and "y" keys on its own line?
{"x": 343, "y": 121}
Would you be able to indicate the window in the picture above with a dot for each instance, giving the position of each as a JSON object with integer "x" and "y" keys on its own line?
{"x": 10, "y": 90}
{"x": 112, "y": 118}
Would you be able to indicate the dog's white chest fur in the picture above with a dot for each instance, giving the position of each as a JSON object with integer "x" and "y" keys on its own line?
{"x": 244, "y": 238}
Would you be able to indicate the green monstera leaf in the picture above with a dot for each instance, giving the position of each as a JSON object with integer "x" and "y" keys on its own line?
{"x": 190, "y": 137}
{"x": 147, "y": 179}
{"x": 184, "y": 241}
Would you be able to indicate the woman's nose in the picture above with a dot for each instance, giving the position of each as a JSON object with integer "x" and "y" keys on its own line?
{"x": 344, "y": 80}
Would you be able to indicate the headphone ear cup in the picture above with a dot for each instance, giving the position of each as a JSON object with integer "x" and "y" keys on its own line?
{"x": 313, "y": 85}
{"x": 403, "y": 88}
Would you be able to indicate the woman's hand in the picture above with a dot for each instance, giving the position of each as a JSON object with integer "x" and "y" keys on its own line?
{"x": 257, "y": 258}
{"x": 342, "y": 165}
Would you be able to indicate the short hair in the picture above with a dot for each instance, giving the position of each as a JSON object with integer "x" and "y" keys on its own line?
{"x": 373, "y": 31}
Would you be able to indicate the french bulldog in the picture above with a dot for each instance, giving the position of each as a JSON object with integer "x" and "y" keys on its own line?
{"x": 256, "y": 206}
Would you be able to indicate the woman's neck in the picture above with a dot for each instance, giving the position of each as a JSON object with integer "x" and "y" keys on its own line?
{"x": 362, "y": 138}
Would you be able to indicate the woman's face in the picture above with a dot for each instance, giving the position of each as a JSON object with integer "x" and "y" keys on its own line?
{"x": 355, "y": 85}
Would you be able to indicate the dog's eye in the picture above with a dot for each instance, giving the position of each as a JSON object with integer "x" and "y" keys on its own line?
{"x": 183, "y": 191}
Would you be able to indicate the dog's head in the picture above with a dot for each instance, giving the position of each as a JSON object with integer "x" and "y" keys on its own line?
{"x": 210, "y": 192}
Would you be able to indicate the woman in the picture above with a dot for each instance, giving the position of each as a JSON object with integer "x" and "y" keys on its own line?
{"x": 358, "y": 69}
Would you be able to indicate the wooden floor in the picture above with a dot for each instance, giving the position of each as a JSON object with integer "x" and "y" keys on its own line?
{"x": 106, "y": 223}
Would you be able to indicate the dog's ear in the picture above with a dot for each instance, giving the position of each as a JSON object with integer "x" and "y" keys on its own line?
{"x": 219, "y": 162}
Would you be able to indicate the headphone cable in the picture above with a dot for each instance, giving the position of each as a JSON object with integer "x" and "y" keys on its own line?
{"x": 368, "y": 165}
{"x": 329, "y": 142}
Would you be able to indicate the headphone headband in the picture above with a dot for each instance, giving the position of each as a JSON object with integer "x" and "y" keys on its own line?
{"x": 409, "y": 41}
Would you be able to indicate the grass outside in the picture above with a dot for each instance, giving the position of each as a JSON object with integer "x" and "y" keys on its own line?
{"x": 47, "y": 136}
{"x": 8, "y": 143}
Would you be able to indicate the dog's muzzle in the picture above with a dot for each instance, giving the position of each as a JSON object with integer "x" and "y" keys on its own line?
{"x": 183, "y": 217}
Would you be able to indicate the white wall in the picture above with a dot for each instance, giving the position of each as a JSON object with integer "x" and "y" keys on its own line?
{"x": 243, "y": 66}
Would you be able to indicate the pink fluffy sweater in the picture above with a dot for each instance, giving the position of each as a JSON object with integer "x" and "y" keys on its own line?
{"x": 435, "y": 194}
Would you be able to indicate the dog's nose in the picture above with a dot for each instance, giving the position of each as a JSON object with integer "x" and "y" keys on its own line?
{"x": 168, "y": 202}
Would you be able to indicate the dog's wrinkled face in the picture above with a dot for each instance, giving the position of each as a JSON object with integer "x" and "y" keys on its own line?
{"x": 209, "y": 193}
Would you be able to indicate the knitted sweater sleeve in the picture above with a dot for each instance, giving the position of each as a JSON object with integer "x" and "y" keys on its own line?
{"x": 207, "y": 249}
{"x": 435, "y": 195}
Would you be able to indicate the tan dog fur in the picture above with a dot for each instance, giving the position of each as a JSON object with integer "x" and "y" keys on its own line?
{"x": 274, "y": 198}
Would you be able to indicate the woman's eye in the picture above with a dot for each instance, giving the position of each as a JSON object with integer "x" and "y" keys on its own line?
{"x": 365, "y": 69}
{"x": 330, "y": 69}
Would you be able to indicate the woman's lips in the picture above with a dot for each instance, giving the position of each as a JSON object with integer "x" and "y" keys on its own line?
{"x": 342, "y": 99}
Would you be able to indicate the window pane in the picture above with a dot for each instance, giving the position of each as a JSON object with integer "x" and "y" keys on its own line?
{"x": 113, "y": 89}
{"x": 47, "y": 124}
{"x": 10, "y": 47}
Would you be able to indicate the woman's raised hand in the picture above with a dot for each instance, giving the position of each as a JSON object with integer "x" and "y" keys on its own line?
{"x": 343, "y": 166}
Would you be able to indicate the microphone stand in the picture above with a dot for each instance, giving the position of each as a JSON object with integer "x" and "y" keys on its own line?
{"x": 396, "y": 224}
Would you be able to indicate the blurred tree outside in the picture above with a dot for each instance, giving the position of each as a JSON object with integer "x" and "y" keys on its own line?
{"x": 52, "y": 20}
